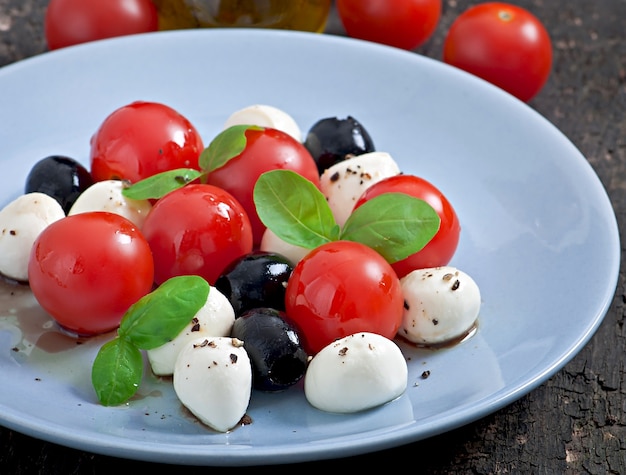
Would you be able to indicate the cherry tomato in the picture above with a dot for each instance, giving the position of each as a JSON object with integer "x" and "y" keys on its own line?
{"x": 87, "y": 269}
{"x": 141, "y": 139}
{"x": 70, "y": 22}
{"x": 503, "y": 44}
{"x": 441, "y": 248}
{"x": 340, "y": 288}
{"x": 196, "y": 230}
{"x": 404, "y": 24}
{"x": 266, "y": 149}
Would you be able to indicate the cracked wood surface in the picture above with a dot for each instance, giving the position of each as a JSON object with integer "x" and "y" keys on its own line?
{"x": 575, "y": 422}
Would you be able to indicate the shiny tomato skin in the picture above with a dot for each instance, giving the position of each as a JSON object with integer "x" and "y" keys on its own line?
{"x": 404, "y": 24}
{"x": 71, "y": 22}
{"x": 266, "y": 149}
{"x": 340, "y": 288}
{"x": 196, "y": 230}
{"x": 442, "y": 247}
{"x": 504, "y": 44}
{"x": 87, "y": 269}
{"x": 142, "y": 139}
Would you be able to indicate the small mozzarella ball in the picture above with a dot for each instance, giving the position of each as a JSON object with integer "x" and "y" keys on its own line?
{"x": 215, "y": 318}
{"x": 270, "y": 242}
{"x": 107, "y": 195}
{"x": 265, "y": 116}
{"x": 343, "y": 183}
{"x": 441, "y": 305}
{"x": 213, "y": 379}
{"x": 21, "y": 222}
{"x": 355, "y": 373}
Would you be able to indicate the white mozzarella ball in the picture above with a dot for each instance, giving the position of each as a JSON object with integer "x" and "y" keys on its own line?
{"x": 270, "y": 242}
{"x": 213, "y": 379}
{"x": 21, "y": 222}
{"x": 343, "y": 183}
{"x": 355, "y": 373}
{"x": 215, "y": 318}
{"x": 107, "y": 195}
{"x": 265, "y": 116}
{"x": 441, "y": 305}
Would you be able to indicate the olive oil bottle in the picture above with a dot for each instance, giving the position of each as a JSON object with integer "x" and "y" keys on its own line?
{"x": 304, "y": 15}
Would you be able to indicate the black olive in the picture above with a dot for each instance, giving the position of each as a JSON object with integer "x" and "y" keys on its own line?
{"x": 60, "y": 177}
{"x": 332, "y": 140}
{"x": 256, "y": 279}
{"x": 273, "y": 345}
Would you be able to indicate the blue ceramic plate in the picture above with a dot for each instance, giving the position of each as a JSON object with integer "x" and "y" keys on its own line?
{"x": 538, "y": 234}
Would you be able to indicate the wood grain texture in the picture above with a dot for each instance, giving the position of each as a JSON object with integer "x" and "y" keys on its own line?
{"x": 575, "y": 422}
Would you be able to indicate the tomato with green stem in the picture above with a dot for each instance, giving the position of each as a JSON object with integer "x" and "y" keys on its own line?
{"x": 504, "y": 44}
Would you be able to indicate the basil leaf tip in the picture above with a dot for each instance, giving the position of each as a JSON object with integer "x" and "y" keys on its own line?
{"x": 152, "y": 321}
{"x": 159, "y": 185}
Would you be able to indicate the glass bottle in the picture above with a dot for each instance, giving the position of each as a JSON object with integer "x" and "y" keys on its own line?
{"x": 304, "y": 15}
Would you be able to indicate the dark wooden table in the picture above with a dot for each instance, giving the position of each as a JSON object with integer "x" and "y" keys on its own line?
{"x": 576, "y": 421}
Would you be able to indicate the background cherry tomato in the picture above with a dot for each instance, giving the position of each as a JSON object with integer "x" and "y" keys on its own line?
{"x": 266, "y": 149}
{"x": 503, "y": 44}
{"x": 141, "y": 139}
{"x": 404, "y": 24}
{"x": 70, "y": 22}
{"x": 440, "y": 250}
{"x": 196, "y": 230}
{"x": 340, "y": 288}
{"x": 87, "y": 269}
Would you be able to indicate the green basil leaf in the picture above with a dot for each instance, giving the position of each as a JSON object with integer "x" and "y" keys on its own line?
{"x": 117, "y": 371}
{"x": 161, "y": 315}
{"x": 159, "y": 185}
{"x": 294, "y": 209}
{"x": 226, "y": 145}
{"x": 394, "y": 224}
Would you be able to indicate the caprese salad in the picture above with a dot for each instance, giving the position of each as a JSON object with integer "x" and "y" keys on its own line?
{"x": 262, "y": 259}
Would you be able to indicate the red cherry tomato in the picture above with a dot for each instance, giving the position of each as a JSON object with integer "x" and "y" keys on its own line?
{"x": 404, "y": 24}
{"x": 142, "y": 139}
{"x": 340, "y": 288}
{"x": 503, "y": 44}
{"x": 266, "y": 149}
{"x": 196, "y": 230}
{"x": 439, "y": 251}
{"x": 87, "y": 269}
{"x": 70, "y": 22}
